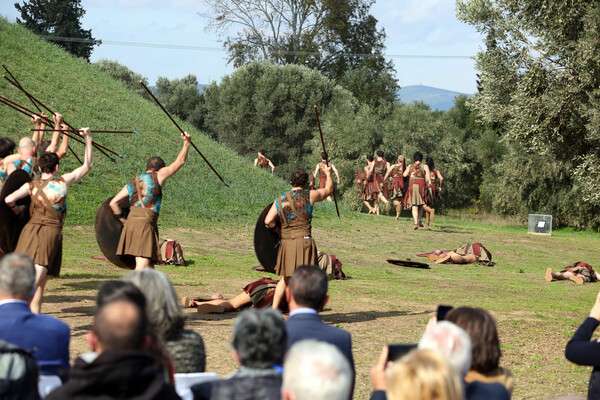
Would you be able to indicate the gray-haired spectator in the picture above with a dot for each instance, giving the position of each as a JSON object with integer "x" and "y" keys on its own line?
{"x": 20, "y": 327}
{"x": 315, "y": 370}
{"x": 259, "y": 343}
{"x": 185, "y": 347}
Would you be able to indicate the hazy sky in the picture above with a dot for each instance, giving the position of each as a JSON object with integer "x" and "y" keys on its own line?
{"x": 413, "y": 28}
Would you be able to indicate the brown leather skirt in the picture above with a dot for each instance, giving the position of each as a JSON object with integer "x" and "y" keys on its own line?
{"x": 297, "y": 248}
{"x": 139, "y": 237}
{"x": 41, "y": 239}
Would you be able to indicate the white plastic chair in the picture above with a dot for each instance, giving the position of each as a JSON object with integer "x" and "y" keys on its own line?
{"x": 184, "y": 382}
{"x": 48, "y": 383}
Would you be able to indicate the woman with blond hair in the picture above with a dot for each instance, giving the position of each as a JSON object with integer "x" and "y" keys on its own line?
{"x": 423, "y": 375}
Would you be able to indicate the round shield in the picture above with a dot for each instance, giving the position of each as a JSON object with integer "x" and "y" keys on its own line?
{"x": 266, "y": 241}
{"x": 11, "y": 225}
{"x": 108, "y": 232}
{"x": 409, "y": 263}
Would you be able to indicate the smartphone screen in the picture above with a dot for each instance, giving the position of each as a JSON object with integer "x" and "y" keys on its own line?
{"x": 442, "y": 310}
{"x": 397, "y": 350}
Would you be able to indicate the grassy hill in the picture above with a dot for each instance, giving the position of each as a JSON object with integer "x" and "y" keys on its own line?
{"x": 86, "y": 97}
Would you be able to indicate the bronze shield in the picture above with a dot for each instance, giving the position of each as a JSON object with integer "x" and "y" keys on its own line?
{"x": 108, "y": 232}
{"x": 266, "y": 241}
{"x": 11, "y": 225}
{"x": 359, "y": 180}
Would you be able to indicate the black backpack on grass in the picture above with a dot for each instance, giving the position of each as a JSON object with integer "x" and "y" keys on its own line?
{"x": 19, "y": 373}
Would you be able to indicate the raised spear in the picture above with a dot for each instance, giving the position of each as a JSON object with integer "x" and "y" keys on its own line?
{"x": 98, "y": 146}
{"x": 326, "y": 160}
{"x": 181, "y": 130}
{"x": 73, "y": 130}
{"x": 36, "y": 106}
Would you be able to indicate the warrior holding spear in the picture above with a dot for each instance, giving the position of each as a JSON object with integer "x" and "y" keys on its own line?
{"x": 41, "y": 238}
{"x": 139, "y": 237}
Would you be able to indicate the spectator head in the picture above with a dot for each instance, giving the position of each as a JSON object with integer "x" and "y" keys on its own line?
{"x": 119, "y": 325}
{"x": 299, "y": 178}
{"x": 379, "y": 153}
{"x": 308, "y": 287}
{"x": 259, "y": 338}
{"x": 369, "y": 158}
{"x": 418, "y": 156}
{"x": 120, "y": 290}
{"x": 400, "y": 159}
{"x": 155, "y": 164}
{"x": 423, "y": 374}
{"x": 316, "y": 370}
{"x": 17, "y": 276}
{"x": 261, "y": 153}
{"x": 323, "y": 155}
{"x": 27, "y": 147}
{"x": 162, "y": 306}
{"x": 453, "y": 342}
{"x": 48, "y": 162}
{"x": 7, "y": 147}
{"x": 481, "y": 327}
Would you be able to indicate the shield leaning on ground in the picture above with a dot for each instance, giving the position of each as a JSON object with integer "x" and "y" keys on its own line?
{"x": 11, "y": 225}
{"x": 108, "y": 232}
{"x": 409, "y": 263}
{"x": 266, "y": 241}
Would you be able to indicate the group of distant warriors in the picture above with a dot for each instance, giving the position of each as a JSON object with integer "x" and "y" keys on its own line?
{"x": 414, "y": 187}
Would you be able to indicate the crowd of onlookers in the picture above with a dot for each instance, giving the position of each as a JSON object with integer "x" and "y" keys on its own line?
{"x": 140, "y": 349}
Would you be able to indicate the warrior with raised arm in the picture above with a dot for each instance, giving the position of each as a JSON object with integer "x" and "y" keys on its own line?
{"x": 320, "y": 172}
{"x": 294, "y": 210}
{"x": 139, "y": 237}
{"x": 41, "y": 238}
{"x": 263, "y": 162}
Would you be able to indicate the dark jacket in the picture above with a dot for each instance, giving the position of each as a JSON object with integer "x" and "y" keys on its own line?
{"x": 473, "y": 391}
{"x": 583, "y": 352}
{"x": 116, "y": 375}
{"x": 244, "y": 384}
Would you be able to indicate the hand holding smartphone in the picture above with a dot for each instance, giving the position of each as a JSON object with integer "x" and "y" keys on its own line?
{"x": 397, "y": 350}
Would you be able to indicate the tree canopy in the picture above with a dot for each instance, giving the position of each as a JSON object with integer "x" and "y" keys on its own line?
{"x": 337, "y": 37}
{"x": 540, "y": 79}
{"x": 59, "y": 19}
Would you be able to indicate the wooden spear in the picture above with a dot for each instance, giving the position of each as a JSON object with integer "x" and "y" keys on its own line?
{"x": 326, "y": 160}
{"x": 181, "y": 130}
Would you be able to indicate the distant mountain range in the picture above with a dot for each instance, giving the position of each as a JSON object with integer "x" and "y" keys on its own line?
{"x": 440, "y": 99}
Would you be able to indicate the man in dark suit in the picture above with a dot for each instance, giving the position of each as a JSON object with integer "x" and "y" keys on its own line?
{"x": 22, "y": 328}
{"x": 307, "y": 295}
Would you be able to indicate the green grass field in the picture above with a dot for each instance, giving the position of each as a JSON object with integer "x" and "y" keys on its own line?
{"x": 381, "y": 304}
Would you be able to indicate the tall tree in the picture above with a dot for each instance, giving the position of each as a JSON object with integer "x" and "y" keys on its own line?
{"x": 337, "y": 37}
{"x": 540, "y": 79}
{"x": 59, "y": 19}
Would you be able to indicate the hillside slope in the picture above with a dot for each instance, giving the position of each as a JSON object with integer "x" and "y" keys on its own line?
{"x": 86, "y": 97}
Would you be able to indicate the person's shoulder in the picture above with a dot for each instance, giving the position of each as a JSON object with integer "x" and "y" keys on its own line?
{"x": 50, "y": 323}
{"x": 486, "y": 391}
